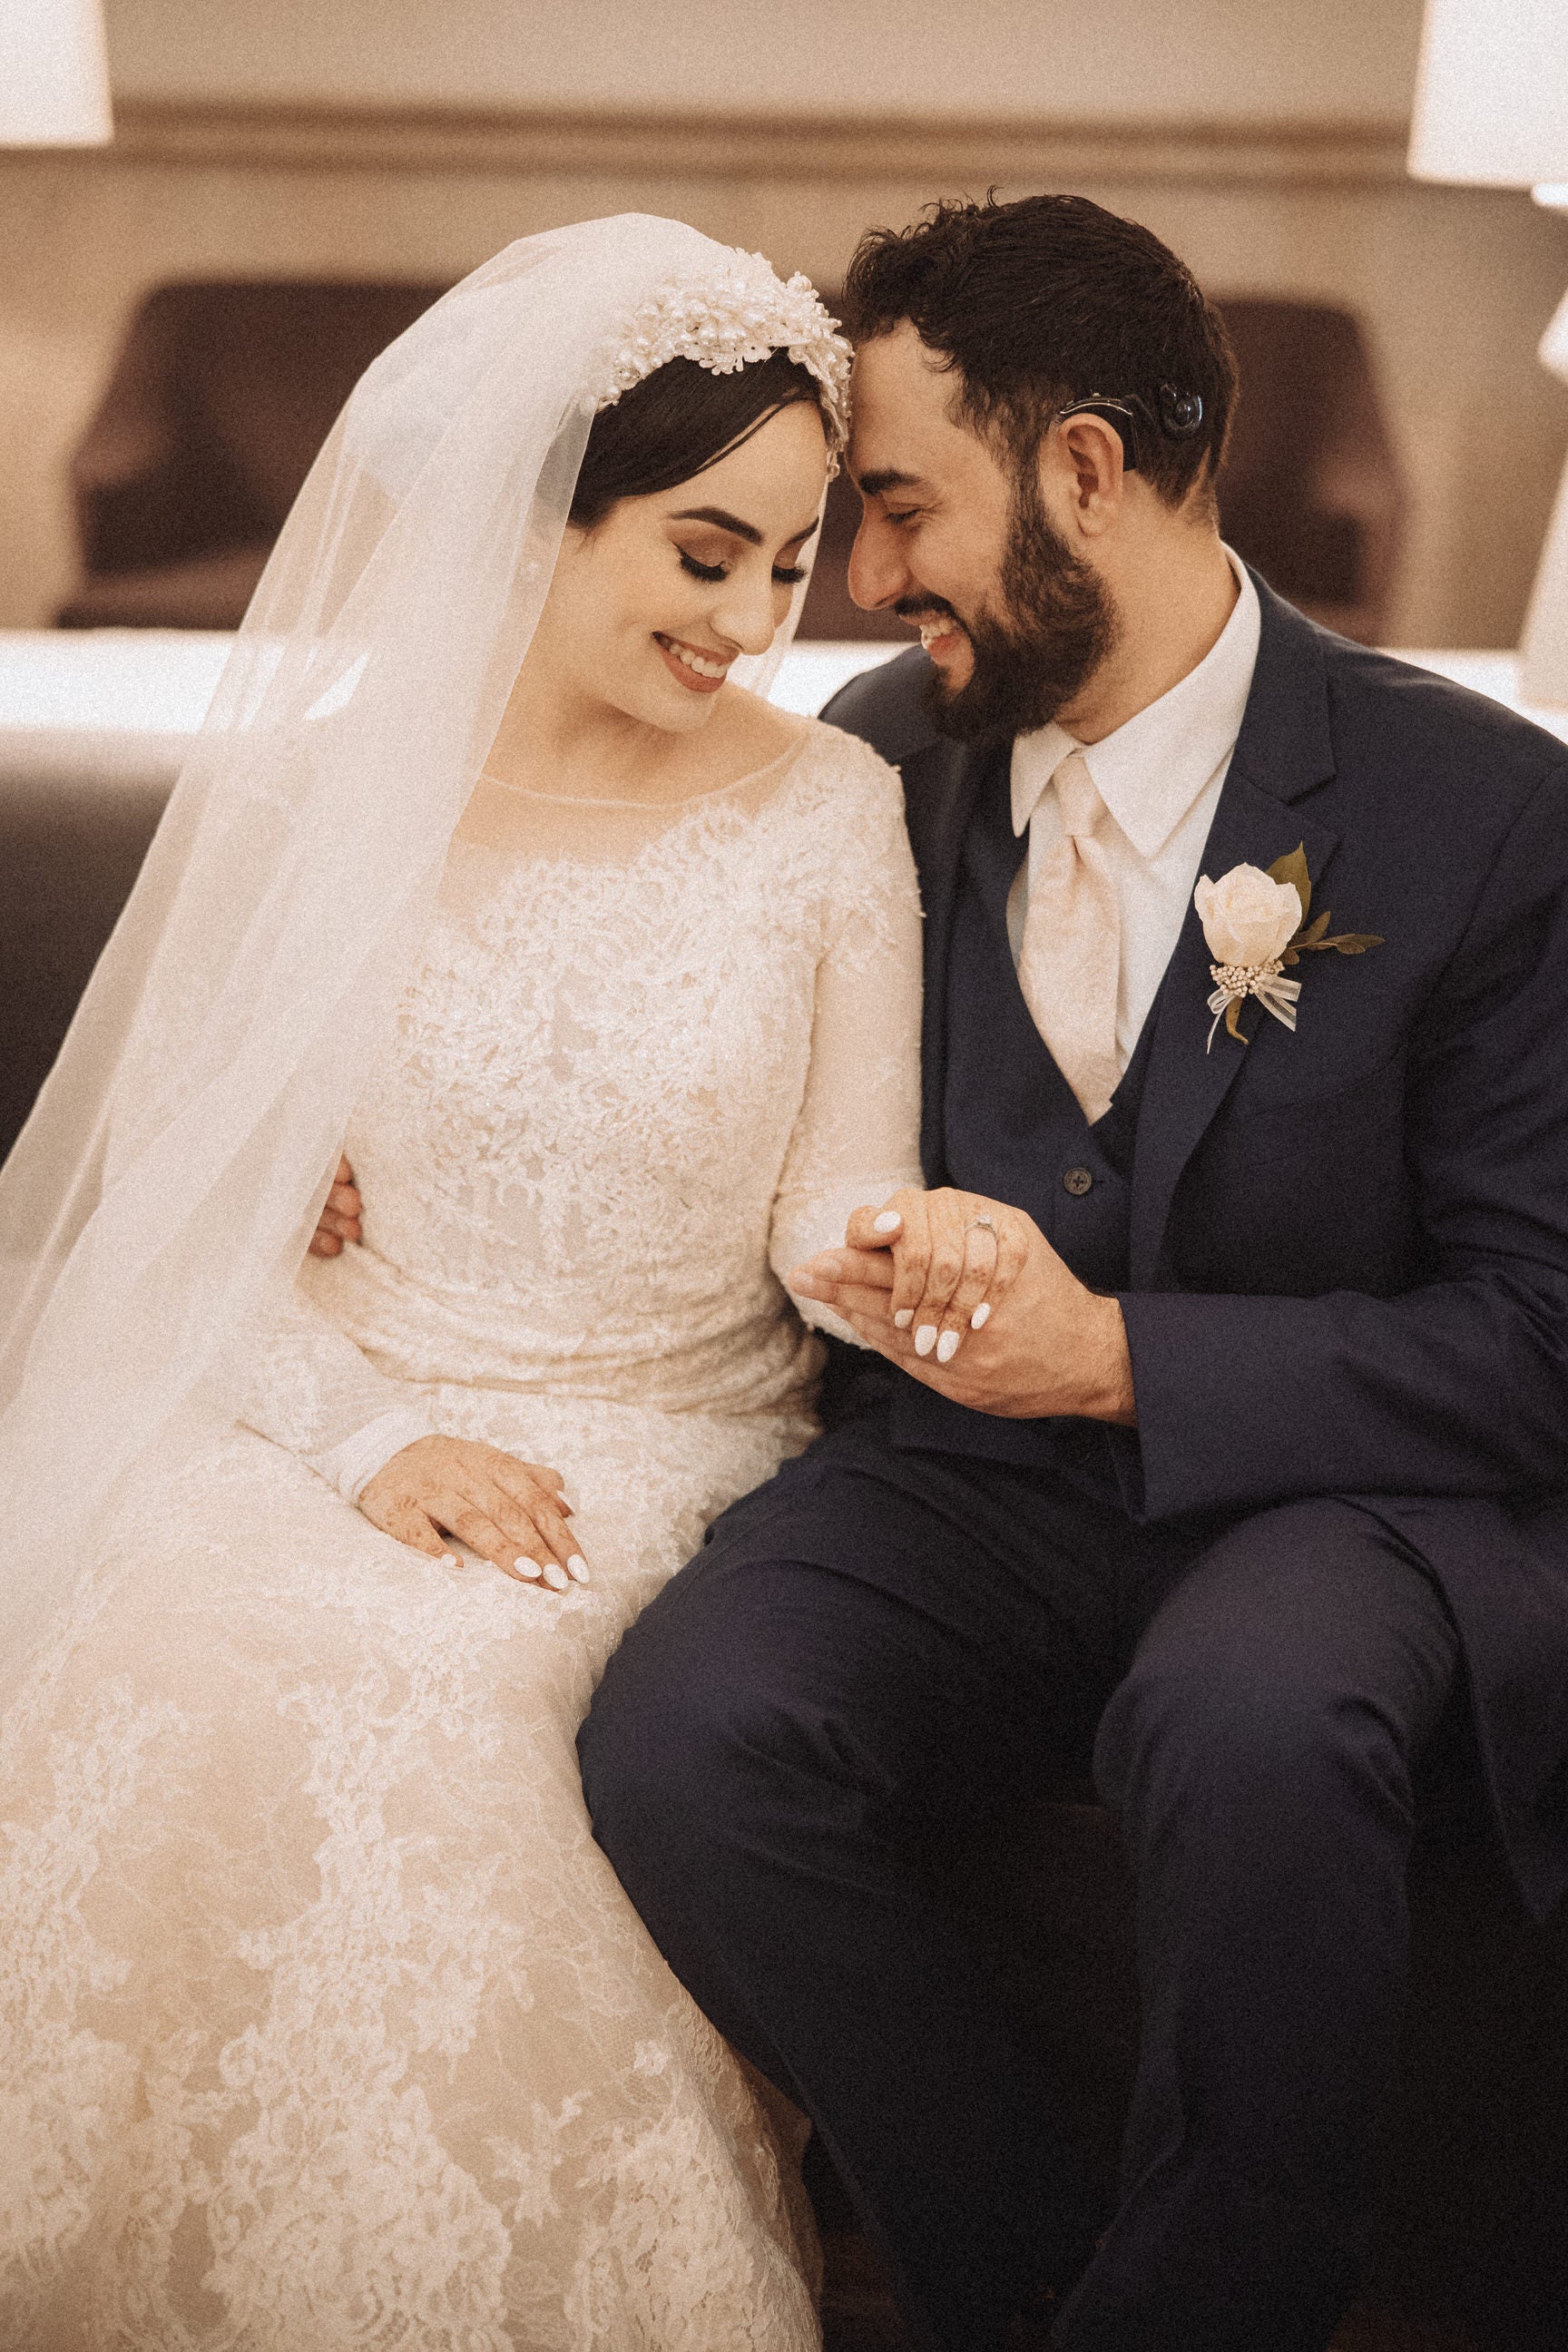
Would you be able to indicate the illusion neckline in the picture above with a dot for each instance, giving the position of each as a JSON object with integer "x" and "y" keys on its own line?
{"x": 691, "y": 800}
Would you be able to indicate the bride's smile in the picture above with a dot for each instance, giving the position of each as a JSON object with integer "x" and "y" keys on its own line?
{"x": 655, "y": 598}
{"x": 708, "y": 671}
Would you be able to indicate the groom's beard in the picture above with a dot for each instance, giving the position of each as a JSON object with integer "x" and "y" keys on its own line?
{"x": 1056, "y": 623}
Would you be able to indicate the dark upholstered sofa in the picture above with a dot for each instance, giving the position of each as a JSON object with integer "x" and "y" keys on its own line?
{"x": 221, "y": 396}
{"x": 70, "y": 848}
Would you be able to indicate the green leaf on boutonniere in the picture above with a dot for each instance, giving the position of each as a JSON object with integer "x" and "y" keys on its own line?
{"x": 1233, "y": 1021}
{"x": 1294, "y": 869}
{"x": 1311, "y": 936}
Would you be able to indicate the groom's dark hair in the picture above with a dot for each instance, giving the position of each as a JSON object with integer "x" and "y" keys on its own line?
{"x": 1049, "y": 301}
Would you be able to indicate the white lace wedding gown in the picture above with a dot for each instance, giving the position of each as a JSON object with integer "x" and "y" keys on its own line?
{"x": 323, "y": 2022}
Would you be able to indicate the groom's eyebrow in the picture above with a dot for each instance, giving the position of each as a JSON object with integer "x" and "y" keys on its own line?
{"x": 886, "y": 477}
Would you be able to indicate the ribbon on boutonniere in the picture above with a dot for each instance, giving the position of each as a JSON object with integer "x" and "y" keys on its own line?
{"x": 1256, "y": 926}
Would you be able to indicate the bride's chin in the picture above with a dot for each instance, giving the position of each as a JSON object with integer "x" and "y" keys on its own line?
{"x": 673, "y": 706}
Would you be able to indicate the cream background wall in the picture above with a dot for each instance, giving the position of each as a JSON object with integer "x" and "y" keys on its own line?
{"x": 1216, "y": 121}
{"x": 1222, "y": 60}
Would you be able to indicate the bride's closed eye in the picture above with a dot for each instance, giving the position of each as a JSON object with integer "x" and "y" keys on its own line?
{"x": 788, "y": 575}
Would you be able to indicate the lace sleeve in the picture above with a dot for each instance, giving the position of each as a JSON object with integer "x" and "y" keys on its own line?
{"x": 313, "y": 1390}
{"x": 856, "y": 1138}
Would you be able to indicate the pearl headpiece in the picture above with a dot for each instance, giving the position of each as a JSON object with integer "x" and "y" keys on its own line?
{"x": 728, "y": 321}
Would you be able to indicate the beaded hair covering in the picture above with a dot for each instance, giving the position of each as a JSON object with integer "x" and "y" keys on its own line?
{"x": 727, "y": 321}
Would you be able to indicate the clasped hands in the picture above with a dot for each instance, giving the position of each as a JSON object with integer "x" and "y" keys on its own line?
{"x": 968, "y": 1296}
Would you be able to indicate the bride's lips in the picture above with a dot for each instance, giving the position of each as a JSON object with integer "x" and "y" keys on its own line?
{"x": 695, "y": 679}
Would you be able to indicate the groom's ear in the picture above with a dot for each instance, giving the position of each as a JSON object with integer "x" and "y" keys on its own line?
{"x": 1082, "y": 472}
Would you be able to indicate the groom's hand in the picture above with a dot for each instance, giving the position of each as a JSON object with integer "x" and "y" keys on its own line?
{"x": 340, "y": 1218}
{"x": 1047, "y": 1344}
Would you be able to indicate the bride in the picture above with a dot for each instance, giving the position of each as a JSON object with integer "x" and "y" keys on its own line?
{"x": 324, "y": 2021}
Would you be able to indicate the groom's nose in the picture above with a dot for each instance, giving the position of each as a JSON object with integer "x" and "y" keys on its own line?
{"x": 878, "y": 574}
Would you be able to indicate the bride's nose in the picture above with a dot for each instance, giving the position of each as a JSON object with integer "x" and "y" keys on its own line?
{"x": 744, "y": 615}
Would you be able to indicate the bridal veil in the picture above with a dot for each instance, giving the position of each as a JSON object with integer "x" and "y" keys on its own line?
{"x": 175, "y": 1163}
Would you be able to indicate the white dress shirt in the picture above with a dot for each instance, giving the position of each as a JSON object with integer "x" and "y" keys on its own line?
{"x": 1159, "y": 777}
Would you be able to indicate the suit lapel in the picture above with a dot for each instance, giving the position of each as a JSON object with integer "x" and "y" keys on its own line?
{"x": 942, "y": 782}
{"x": 1285, "y": 748}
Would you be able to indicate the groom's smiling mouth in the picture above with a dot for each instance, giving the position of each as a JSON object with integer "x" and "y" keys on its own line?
{"x": 939, "y": 637}
{"x": 941, "y": 632}
{"x": 704, "y": 673}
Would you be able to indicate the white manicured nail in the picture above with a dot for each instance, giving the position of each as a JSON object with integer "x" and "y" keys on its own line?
{"x": 554, "y": 1576}
{"x": 903, "y": 1319}
{"x": 526, "y": 1567}
{"x": 947, "y": 1347}
{"x": 450, "y": 1560}
{"x": 925, "y": 1338}
{"x": 981, "y": 1316}
{"x": 578, "y": 1567}
{"x": 887, "y": 1223}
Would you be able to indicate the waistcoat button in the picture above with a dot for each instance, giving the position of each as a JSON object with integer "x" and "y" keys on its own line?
{"x": 1077, "y": 1182}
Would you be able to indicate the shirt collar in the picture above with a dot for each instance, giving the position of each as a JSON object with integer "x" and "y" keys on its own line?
{"x": 1150, "y": 771}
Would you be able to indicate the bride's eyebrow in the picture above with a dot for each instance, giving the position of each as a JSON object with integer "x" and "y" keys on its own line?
{"x": 721, "y": 521}
{"x": 733, "y": 523}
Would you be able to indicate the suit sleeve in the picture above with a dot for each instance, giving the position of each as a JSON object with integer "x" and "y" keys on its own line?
{"x": 1458, "y": 1386}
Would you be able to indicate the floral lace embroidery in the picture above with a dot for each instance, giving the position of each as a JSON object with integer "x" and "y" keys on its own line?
{"x": 323, "y": 2022}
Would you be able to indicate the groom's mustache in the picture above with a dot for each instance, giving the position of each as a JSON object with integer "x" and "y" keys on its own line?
{"x": 925, "y": 608}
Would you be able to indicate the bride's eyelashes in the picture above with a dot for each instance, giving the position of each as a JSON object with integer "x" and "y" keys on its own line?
{"x": 701, "y": 571}
{"x": 786, "y": 575}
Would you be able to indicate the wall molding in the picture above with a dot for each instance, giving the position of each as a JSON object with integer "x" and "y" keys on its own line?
{"x": 967, "y": 154}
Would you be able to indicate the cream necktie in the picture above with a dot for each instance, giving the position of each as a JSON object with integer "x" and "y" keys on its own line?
{"x": 1071, "y": 953}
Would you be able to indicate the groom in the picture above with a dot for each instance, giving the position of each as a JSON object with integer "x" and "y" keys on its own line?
{"x": 1253, "y": 1479}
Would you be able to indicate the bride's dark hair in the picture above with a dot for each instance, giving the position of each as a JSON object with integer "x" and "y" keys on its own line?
{"x": 676, "y": 423}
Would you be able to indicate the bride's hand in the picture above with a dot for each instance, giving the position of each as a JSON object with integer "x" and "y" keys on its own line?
{"x": 511, "y": 1512}
{"x": 954, "y": 1256}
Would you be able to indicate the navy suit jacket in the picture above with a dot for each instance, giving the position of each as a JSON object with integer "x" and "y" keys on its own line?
{"x": 1349, "y": 1247}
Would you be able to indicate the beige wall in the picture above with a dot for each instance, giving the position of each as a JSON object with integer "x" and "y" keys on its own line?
{"x": 1221, "y": 59}
{"x": 1454, "y": 284}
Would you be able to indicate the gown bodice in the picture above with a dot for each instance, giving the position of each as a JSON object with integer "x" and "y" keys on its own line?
{"x": 649, "y": 1059}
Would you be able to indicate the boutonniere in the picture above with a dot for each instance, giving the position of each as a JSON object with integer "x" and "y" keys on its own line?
{"x": 1256, "y": 928}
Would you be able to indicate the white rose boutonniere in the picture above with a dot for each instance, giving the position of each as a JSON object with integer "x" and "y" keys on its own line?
{"x": 1255, "y": 927}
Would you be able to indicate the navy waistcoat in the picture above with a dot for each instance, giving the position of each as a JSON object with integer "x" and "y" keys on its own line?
{"x": 1011, "y": 1129}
